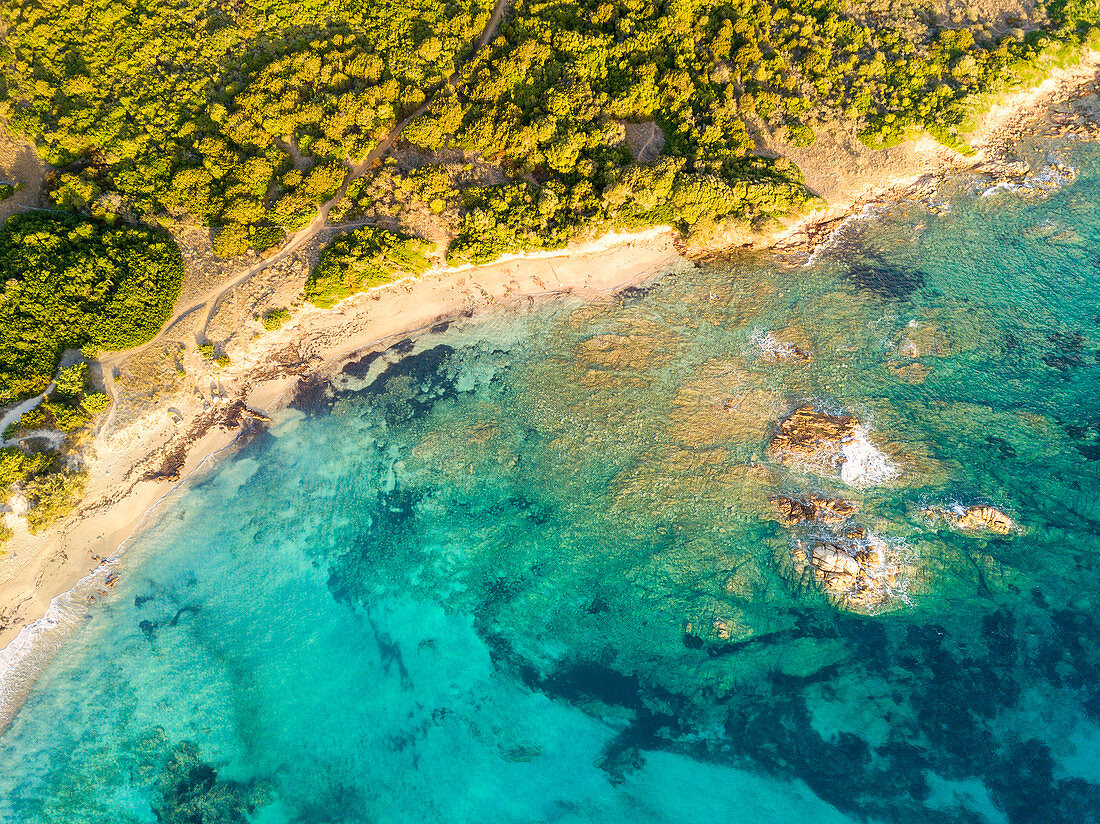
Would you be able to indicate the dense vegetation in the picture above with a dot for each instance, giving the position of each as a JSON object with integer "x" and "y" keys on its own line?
{"x": 358, "y": 260}
{"x": 196, "y": 108}
{"x": 48, "y": 478}
{"x": 68, "y": 283}
{"x": 244, "y": 117}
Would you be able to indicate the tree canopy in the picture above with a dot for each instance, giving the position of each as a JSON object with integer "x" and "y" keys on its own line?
{"x": 69, "y": 282}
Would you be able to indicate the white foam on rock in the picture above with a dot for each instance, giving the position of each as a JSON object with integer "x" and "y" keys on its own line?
{"x": 863, "y": 463}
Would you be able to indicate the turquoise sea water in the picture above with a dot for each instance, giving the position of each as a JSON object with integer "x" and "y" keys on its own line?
{"x": 529, "y": 569}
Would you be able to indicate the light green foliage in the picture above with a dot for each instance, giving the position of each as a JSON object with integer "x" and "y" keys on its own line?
{"x": 69, "y": 282}
{"x": 358, "y": 260}
{"x": 222, "y": 360}
{"x": 95, "y": 403}
{"x": 189, "y": 105}
{"x": 206, "y": 350}
{"x": 53, "y": 496}
{"x": 275, "y": 319}
{"x": 70, "y": 380}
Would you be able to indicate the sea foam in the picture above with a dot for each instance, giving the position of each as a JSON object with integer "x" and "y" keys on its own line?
{"x": 864, "y": 464}
{"x": 24, "y": 658}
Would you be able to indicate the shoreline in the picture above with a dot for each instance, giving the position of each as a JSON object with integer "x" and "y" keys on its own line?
{"x": 66, "y": 568}
{"x": 61, "y": 572}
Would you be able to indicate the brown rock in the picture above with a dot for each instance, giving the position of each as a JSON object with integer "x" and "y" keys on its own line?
{"x": 856, "y": 570}
{"x": 817, "y": 508}
{"x": 975, "y": 518}
{"x": 812, "y": 436}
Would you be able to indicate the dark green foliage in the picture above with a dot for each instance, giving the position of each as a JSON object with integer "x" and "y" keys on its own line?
{"x": 6, "y": 190}
{"x": 511, "y": 218}
{"x": 69, "y": 282}
{"x": 361, "y": 259}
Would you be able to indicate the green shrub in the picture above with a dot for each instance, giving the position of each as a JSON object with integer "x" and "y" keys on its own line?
{"x": 65, "y": 418}
{"x": 95, "y": 403}
{"x": 53, "y": 496}
{"x": 359, "y": 260}
{"x": 275, "y": 319}
{"x": 206, "y": 350}
{"x": 222, "y": 360}
{"x": 799, "y": 134}
{"x": 71, "y": 380}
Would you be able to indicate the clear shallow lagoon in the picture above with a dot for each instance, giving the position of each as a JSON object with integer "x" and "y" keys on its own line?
{"x": 531, "y": 571}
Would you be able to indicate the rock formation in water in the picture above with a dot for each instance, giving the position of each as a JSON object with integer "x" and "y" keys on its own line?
{"x": 815, "y": 508}
{"x": 974, "y": 518}
{"x": 856, "y": 570}
{"x": 771, "y": 348}
{"x": 813, "y": 438}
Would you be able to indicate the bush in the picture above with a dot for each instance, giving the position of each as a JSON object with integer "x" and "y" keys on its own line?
{"x": 275, "y": 319}
{"x": 53, "y": 496}
{"x": 362, "y": 259}
{"x": 206, "y": 350}
{"x": 70, "y": 381}
{"x": 95, "y": 403}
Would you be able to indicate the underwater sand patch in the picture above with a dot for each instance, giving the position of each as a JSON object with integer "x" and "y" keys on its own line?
{"x": 723, "y": 404}
{"x": 674, "y": 483}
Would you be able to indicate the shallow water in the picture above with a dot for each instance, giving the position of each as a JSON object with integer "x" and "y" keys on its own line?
{"x": 531, "y": 571}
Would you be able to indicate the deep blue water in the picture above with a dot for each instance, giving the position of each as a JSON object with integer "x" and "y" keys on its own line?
{"x": 531, "y": 571}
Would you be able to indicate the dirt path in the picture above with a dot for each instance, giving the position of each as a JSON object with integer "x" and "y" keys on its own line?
{"x": 110, "y": 361}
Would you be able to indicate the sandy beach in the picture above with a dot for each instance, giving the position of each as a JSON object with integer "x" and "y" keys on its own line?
{"x": 137, "y": 462}
{"x": 137, "y": 465}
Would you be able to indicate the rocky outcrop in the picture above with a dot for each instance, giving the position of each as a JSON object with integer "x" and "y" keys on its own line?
{"x": 856, "y": 570}
{"x": 815, "y": 508}
{"x": 977, "y": 518}
{"x": 813, "y": 438}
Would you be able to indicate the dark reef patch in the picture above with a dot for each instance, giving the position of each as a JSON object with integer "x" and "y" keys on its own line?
{"x": 312, "y": 395}
{"x": 360, "y": 367}
{"x": 884, "y": 280}
{"x": 411, "y": 386}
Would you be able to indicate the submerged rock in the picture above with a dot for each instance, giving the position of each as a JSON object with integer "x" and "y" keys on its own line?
{"x": 816, "y": 508}
{"x": 974, "y": 518}
{"x": 777, "y": 348}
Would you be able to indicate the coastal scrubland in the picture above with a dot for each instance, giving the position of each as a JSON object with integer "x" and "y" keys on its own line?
{"x": 568, "y": 119}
